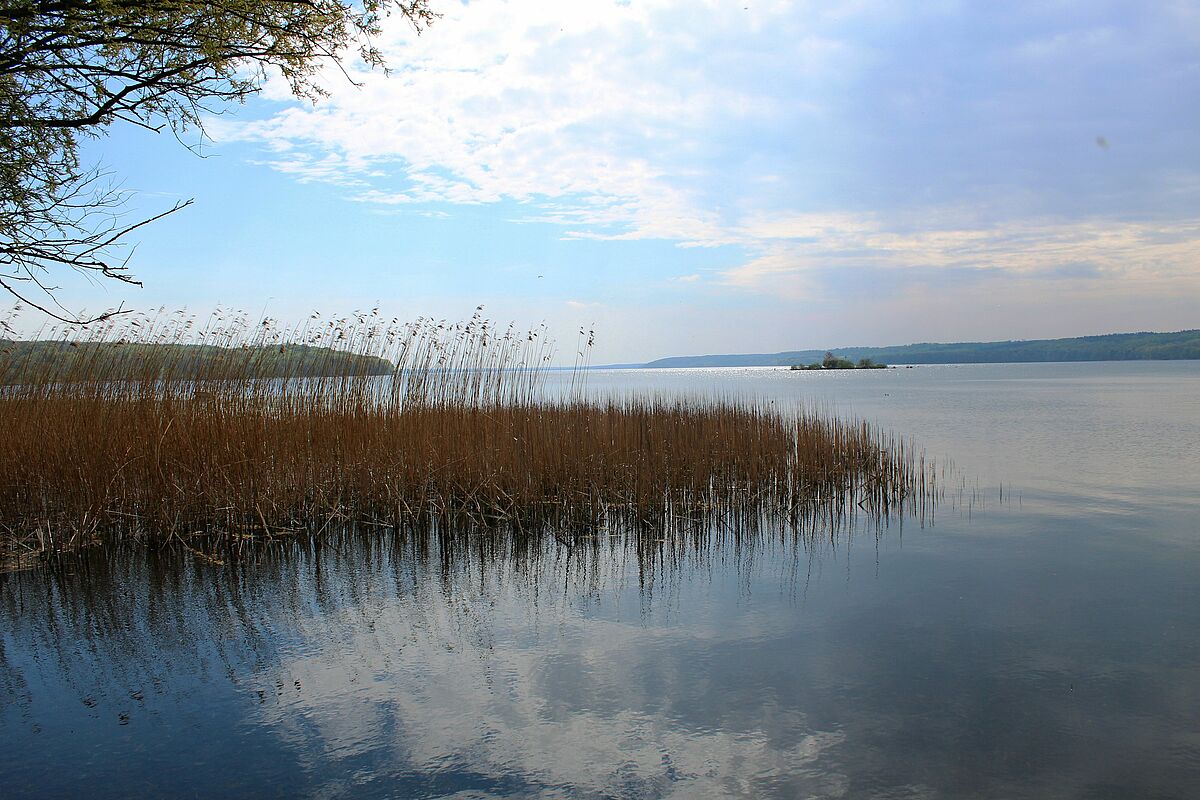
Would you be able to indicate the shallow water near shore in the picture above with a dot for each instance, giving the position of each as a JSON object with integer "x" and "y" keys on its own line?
{"x": 1041, "y": 638}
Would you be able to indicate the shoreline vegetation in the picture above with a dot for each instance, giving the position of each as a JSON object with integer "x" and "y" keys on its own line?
{"x": 159, "y": 444}
{"x": 833, "y": 362}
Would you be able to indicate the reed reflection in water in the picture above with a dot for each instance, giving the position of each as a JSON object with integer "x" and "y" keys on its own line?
{"x": 404, "y": 664}
{"x": 855, "y": 662}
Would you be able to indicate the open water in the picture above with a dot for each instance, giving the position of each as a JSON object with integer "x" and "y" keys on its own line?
{"x": 1040, "y": 639}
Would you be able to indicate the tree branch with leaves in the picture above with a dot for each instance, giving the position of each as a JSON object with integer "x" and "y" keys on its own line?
{"x": 69, "y": 69}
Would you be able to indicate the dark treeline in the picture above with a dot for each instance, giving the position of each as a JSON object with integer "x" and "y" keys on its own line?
{"x": 1111, "y": 347}
{"x": 126, "y": 360}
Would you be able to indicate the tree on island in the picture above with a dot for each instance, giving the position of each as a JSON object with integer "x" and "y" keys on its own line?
{"x": 835, "y": 362}
{"x": 71, "y": 68}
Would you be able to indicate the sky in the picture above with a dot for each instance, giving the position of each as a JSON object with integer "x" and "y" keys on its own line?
{"x": 705, "y": 177}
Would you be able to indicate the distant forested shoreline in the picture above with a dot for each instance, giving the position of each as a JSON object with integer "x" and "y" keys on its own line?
{"x": 124, "y": 360}
{"x": 1111, "y": 347}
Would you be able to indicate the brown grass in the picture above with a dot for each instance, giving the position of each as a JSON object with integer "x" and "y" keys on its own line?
{"x": 462, "y": 431}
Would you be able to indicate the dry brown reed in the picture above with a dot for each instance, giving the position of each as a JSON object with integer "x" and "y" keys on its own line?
{"x": 153, "y": 442}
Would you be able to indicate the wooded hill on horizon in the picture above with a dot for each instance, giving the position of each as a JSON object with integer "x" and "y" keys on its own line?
{"x": 120, "y": 360}
{"x": 123, "y": 359}
{"x": 1179, "y": 345}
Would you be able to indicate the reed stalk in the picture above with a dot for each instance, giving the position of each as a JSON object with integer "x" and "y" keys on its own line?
{"x": 160, "y": 428}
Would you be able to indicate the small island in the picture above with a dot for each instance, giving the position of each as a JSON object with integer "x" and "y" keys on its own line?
{"x": 833, "y": 362}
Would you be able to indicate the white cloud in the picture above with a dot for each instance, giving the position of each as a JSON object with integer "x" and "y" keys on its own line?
{"x": 595, "y": 112}
{"x": 642, "y": 120}
{"x": 1128, "y": 251}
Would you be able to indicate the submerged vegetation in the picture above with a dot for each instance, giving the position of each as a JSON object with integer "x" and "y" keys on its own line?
{"x": 460, "y": 435}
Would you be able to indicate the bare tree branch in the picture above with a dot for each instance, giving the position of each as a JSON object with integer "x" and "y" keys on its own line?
{"x": 70, "y": 68}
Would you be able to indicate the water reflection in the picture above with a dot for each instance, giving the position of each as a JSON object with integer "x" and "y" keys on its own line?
{"x": 877, "y": 663}
{"x": 408, "y": 664}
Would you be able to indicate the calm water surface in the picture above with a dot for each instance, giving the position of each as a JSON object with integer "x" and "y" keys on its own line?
{"x": 1046, "y": 644}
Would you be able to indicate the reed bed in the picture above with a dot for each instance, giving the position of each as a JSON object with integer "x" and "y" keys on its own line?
{"x": 165, "y": 429}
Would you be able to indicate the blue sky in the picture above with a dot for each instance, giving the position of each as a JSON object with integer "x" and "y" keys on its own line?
{"x": 694, "y": 177}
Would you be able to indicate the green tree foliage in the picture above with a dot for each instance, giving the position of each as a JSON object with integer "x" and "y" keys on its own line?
{"x": 830, "y": 361}
{"x": 71, "y": 68}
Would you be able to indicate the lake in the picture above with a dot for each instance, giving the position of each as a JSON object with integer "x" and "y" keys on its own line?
{"x": 1039, "y": 637}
